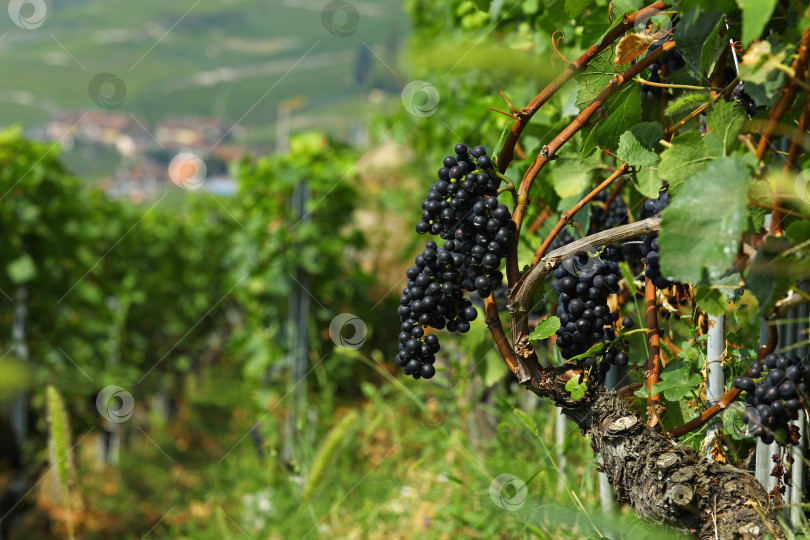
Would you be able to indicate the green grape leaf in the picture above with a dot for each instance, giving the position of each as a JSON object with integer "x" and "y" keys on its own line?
{"x": 798, "y": 231}
{"x": 595, "y": 78}
{"x": 729, "y": 286}
{"x": 712, "y": 48}
{"x": 725, "y": 120}
{"x": 647, "y": 181}
{"x": 760, "y": 61}
{"x": 695, "y": 8}
{"x": 623, "y": 7}
{"x": 570, "y": 177}
{"x": 635, "y": 144}
{"x": 711, "y": 300}
{"x": 696, "y": 36}
{"x": 689, "y": 154}
{"x": 624, "y": 111}
{"x": 588, "y": 141}
{"x": 678, "y": 413}
{"x": 576, "y": 389}
{"x": 701, "y": 227}
{"x": 677, "y": 381}
{"x": 22, "y": 269}
{"x": 768, "y": 92}
{"x": 755, "y": 15}
{"x": 544, "y": 329}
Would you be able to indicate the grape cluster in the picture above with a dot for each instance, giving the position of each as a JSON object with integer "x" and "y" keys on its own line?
{"x": 650, "y": 249}
{"x": 775, "y": 397}
{"x": 584, "y": 284}
{"x": 501, "y": 297}
{"x": 674, "y": 60}
{"x": 432, "y": 297}
{"x": 461, "y": 208}
{"x": 562, "y": 239}
{"x": 450, "y": 200}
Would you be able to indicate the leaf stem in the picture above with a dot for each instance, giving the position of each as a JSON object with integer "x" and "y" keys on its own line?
{"x": 569, "y": 215}
{"x": 681, "y": 86}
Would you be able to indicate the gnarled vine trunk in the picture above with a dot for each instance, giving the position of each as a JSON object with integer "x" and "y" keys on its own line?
{"x": 662, "y": 480}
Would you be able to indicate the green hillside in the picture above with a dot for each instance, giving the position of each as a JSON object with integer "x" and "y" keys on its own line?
{"x": 230, "y": 59}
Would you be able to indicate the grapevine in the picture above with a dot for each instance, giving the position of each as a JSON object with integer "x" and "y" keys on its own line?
{"x": 695, "y": 128}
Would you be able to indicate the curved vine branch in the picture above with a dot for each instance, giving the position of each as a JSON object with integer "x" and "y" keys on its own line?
{"x": 520, "y": 297}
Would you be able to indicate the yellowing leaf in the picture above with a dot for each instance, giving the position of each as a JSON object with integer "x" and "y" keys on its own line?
{"x": 631, "y": 46}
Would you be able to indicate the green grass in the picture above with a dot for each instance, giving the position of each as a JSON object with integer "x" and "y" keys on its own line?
{"x": 398, "y": 462}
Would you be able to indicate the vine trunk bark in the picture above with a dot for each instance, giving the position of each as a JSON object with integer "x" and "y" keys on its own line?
{"x": 662, "y": 480}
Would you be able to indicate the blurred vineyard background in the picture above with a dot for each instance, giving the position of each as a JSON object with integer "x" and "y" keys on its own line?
{"x": 204, "y": 315}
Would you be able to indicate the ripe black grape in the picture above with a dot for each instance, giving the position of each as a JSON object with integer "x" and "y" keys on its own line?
{"x": 773, "y": 396}
{"x": 627, "y": 322}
